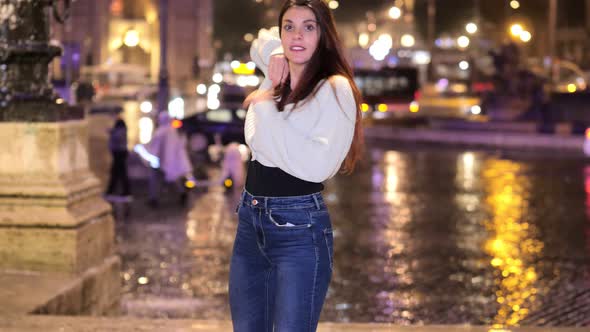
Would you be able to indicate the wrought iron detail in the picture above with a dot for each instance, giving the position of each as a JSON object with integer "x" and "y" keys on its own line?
{"x": 25, "y": 54}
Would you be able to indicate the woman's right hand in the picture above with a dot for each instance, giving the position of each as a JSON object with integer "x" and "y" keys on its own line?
{"x": 258, "y": 96}
{"x": 278, "y": 69}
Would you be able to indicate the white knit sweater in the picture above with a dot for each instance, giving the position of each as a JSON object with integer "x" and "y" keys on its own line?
{"x": 309, "y": 142}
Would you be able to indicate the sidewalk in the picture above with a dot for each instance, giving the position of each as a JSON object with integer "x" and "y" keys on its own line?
{"x": 29, "y": 323}
{"x": 124, "y": 324}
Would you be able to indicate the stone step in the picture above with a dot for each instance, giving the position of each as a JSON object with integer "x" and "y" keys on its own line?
{"x": 94, "y": 292}
{"x": 126, "y": 324}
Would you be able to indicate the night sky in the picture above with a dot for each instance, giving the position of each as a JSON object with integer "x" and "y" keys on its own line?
{"x": 234, "y": 18}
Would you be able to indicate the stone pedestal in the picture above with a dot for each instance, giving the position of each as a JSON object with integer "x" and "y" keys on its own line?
{"x": 52, "y": 216}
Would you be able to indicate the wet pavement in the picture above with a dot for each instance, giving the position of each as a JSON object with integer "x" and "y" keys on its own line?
{"x": 423, "y": 235}
{"x": 127, "y": 324}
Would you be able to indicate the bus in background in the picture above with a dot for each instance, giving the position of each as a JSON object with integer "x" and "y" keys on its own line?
{"x": 456, "y": 84}
{"x": 388, "y": 92}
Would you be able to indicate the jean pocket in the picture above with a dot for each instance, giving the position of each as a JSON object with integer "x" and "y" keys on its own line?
{"x": 289, "y": 219}
{"x": 329, "y": 239}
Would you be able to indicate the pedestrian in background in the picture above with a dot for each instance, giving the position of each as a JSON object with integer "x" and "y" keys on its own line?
{"x": 170, "y": 146}
{"x": 303, "y": 127}
{"x": 119, "y": 176}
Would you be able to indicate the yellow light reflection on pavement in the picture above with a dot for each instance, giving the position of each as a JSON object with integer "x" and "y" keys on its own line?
{"x": 394, "y": 162}
{"x": 211, "y": 234}
{"x": 513, "y": 246}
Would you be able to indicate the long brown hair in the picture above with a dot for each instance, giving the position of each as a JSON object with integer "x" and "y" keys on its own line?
{"x": 327, "y": 60}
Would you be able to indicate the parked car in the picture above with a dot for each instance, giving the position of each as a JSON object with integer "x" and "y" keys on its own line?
{"x": 226, "y": 123}
{"x": 223, "y": 118}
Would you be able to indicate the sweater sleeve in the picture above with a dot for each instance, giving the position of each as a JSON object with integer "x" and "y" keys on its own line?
{"x": 314, "y": 154}
{"x": 264, "y": 46}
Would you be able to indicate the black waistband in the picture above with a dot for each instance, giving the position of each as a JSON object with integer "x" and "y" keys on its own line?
{"x": 274, "y": 182}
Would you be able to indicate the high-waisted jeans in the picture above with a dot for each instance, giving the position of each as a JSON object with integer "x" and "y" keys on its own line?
{"x": 281, "y": 264}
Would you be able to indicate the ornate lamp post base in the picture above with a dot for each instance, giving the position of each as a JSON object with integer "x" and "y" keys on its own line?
{"x": 53, "y": 220}
{"x": 25, "y": 53}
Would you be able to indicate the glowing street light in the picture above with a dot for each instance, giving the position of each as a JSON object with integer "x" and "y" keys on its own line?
{"x": 463, "y": 41}
{"x": 408, "y": 40}
{"x": 471, "y": 28}
{"x": 516, "y": 29}
{"x": 514, "y": 4}
{"x": 525, "y": 36}
{"x": 248, "y": 37}
{"x": 386, "y": 39}
{"x": 364, "y": 40}
{"x": 217, "y": 78}
{"x": 333, "y": 4}
{"x": 379, "y": 50}
{"x": 131, "y": 38}
{"x": 395, "y": 13}
{"x": 146, "y": 106}
{"x": 201, "y": 89}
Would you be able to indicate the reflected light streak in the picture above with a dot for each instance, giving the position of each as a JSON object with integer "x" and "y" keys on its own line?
{"x": 392, "y": 157}
{"x": 513, "y": 245}
{"x": 466, "y": 169}
{"x": 393, "y": 164}
{"x": 391, "y": 180}
{"x": 209, "y": 232}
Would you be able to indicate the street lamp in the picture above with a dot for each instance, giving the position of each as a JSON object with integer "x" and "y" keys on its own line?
{"x": 408, "y": 40}
{"x": 514, "y": 4}
{"x": 386, "y": 40}
{"x": 526, "y": 36}
{"x": 333, "y": 4}
{"x": 248, "y": 37}
{"x": 131, "y": 38}
{"x": 518, "y": 32}
{"x": 364, "y": 40}
{"x": 516, "y": 29}
{"x": 471, "y": 28}
{"x": 395, "y": 12}
{"x": 463, "y": 41}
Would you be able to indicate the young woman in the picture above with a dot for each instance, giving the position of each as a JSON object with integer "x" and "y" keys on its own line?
{"x": 303, "y": 127}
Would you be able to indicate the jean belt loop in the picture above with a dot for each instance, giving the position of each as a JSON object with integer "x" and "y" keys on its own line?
{"x": 266, "y": 204}
{"x": 315, "y": 199}
{"x": 243, "y": 198}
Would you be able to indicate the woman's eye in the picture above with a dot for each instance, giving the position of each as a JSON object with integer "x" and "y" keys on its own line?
{"x": 309, "y": 27}
{"x": 288, "y": 28}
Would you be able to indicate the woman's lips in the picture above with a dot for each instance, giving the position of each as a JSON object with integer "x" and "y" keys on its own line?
{"x": 297, "y": 48}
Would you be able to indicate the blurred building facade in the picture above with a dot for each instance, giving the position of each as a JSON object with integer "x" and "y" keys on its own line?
{"x": 376, "y": 39}
{"x": 112, "y": 32}
{"x": 573, "y": 42}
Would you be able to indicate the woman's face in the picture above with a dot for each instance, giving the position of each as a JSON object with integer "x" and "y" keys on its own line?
{"x": 300, "y": 34}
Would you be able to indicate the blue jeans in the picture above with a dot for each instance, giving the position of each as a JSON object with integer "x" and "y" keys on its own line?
{"x": 281, "y": 264}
